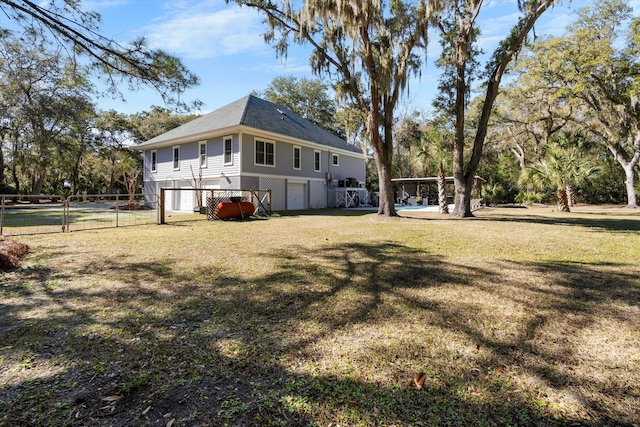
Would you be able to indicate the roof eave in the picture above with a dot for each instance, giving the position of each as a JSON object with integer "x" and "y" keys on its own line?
{"x": 149, "y": 145}
{"x": 298, "y": 141}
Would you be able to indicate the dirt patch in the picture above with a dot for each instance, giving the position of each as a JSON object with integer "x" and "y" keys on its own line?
{"x": 11, "y": 253}
{"x": 134, "y": 207}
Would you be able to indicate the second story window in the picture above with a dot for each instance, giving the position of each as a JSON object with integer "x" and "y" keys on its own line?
{"x": 203, "y": 154}
{"x": 316, "y": 161}
{"x": 176, "y": 158}
{"x": 265, "y": 153}
{"x": 296, "y": 158}
{"x": 228, "y": 150}
{"x": 154, "y": 161}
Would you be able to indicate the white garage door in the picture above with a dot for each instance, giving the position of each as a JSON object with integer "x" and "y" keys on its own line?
{"x": 186, "y": 198}
{"x": 296, "y": 196}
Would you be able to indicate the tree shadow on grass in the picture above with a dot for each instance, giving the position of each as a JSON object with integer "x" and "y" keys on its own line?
{"x": 327, "y": 212}
{"x": 333, "y": 335}
{"x": 609, "y": 224}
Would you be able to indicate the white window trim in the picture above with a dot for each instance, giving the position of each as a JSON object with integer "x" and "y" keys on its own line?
{"x": 266, "y": 141}
{"x": 173, "y": 157}
{"x": 297, "y": 147}
{"x": 153, "y": 167}
{"x": 319, "y": 154}
{"x": 224, "y": 150}
{"x": 335, "y": 156}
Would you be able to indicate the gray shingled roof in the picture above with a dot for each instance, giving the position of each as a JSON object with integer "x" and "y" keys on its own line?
{"x": 258, "y": 114}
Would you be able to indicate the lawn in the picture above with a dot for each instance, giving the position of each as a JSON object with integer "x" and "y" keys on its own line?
{"x": 328, "y": 318}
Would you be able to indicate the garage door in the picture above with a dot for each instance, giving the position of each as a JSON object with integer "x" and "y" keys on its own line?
{"x": 296, "y": 196}
{"x": 186, "y": 198}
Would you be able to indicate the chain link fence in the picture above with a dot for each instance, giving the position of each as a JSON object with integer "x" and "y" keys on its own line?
{"x": 111, "y": 210}
{"x": 20, "y": 215}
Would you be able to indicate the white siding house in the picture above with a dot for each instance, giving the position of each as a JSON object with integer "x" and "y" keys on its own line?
{"x": 252, "y": 144}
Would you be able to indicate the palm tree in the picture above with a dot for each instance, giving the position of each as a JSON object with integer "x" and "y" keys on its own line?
{"x": 567, "y": 139}
{"x": 435, "y": 144}
{"x": 559, "y": 168}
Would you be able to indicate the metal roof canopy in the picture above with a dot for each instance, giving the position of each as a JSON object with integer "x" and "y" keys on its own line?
{"x": 431, "y": 180}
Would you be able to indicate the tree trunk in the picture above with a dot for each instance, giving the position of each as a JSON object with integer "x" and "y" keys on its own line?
{"x": 75, "y": 174}
{"x": 571, "y": 195}
{"x": 383, "y": 153}
{"x": 39, "y": 183}
{"x": 465, "y": 176}
{"x": 630, "y": 181}
{"x": 462, "y": 198}
{"x": 14, "y": 175}
{"x": 443, "y": 206}
{"x": 1, "y": 167}
{"x": 386, "y": 203}
{"x": 563, "y": 202}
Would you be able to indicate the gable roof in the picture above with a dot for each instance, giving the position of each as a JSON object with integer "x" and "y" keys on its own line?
{"x": 254, "y": 113}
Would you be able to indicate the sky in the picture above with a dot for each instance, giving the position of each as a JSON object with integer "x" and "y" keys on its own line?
{"x": 223, "y": 45}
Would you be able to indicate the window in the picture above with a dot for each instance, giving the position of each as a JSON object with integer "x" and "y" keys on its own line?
{"x": 228, "y": 150}
{"x": 296, "y": 157}
{"x": 203, "y": 154}
{"x": 316, "y": 161}
{"x": 335, "y": 160}
{"x": 176, "y": 158}
{"x": 265, "y": 153}
{"x": 154, "y": 161}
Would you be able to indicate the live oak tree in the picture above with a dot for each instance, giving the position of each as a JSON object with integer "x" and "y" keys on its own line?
{"x": 595, "y": 66}
{"x": 146, "y": 125}
{"x": 459, "y": 30}
{"x": 115, "y": 146}
{"x": 42, "y": 102}
{"x": 369, "y": 50}
{"x": 310, "y": 98}
{"x": 77, "y": 32}
{"x": 40, "y": 113}
{"x": 527, "y": 115}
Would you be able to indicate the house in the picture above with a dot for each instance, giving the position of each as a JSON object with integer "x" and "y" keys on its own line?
{"x": 253, "y": 144}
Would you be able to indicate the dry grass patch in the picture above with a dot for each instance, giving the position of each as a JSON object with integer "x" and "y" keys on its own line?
{"x": 517, "y": 317}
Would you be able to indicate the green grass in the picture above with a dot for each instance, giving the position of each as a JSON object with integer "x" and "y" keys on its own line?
{"x": 517, "y": 317}
{"x": 49, "y": 219}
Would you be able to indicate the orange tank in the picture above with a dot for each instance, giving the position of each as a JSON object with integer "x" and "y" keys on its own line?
{"x": 229, "y": 210}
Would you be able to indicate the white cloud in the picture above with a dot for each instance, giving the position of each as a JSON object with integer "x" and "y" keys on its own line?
{"x": 500, "y": 3}
{"x": 199, "y": 33}
{"x": 288, "y": 66}
{"x": 103, "y": 4}
{"x": 499, "y": 25}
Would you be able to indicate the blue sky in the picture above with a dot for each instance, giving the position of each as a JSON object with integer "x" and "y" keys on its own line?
{"x": 223, "y": 45}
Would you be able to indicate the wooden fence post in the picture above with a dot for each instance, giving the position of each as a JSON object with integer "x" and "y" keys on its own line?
{"x": 161, "y": 207}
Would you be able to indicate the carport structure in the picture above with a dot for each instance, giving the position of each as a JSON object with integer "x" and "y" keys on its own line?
{"x": 408, "y": 187}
